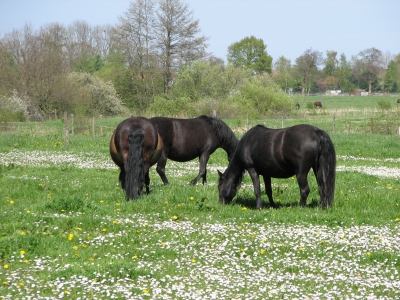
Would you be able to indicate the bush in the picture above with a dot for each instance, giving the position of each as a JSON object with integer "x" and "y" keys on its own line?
{"x": 384, "y": 104}
{"x": 180, "y": 107}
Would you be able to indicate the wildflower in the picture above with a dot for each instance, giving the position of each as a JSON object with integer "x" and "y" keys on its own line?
{"x": 21, "y": 284}
{"x": 6, "y": 266}
{"x": 70, "y": 236}
{"x": 397, "y": 219}
{"x": 104, "y": 229}
{"x": 135, "y": 256}
{"x": 28, "y": 211}
{"x": 145, "y": 291}
{"x": 22, "y": 252}
{"x": 101, "y": 201}
{"x": 244, "y": 208}
{"x": 5, "y": 283}
{"x": 301, "y": 248}
{"x": 26, "y": 260}
{"x": 75, "y": 248}
{"x": 91, "y": 258}
{"x": 191, "y": 198}
{"x": 23, "y": 232}
{"x": 12, "y": 202}
{"x": 193, "y": 260}
{"x": 175, "y": 217}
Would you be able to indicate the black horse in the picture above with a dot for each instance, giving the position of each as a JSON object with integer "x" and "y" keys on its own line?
{"x": 134, "y": 147}
{"x": 282, "y": 153}
{"x": 186, "y": 139}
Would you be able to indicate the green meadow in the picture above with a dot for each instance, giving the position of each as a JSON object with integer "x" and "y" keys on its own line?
{"x": 67, "y": 232}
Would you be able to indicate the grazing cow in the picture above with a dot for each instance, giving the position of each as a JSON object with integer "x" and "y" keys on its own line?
{"x": 398, "y": 100}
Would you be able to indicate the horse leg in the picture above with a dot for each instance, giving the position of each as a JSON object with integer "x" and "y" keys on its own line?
{"x": 256, "y": 185}
{"x": 268, "y": 190}
{"x": 304, "y": 188}
{"x": 203, "y": 169}
{"x": 161, "y": 167}
{"x": 147, "y": 181}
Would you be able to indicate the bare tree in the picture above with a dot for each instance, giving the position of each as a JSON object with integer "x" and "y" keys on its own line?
{"x": 306, "y": 66}
{"x": 177, "y": 36}
{"x": 370, "y": 65}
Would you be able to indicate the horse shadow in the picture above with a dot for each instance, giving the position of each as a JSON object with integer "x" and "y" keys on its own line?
{"x": 250, "y": 202}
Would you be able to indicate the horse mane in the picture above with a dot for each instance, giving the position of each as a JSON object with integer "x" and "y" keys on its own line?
{"x": 224, "y": 134}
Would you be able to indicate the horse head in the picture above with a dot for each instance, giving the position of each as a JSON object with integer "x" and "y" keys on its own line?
{"x": 227, "y": 190}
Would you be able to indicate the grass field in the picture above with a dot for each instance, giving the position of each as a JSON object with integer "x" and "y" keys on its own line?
{"x": 66, "y": 230}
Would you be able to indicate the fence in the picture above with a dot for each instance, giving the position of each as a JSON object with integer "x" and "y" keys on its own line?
{"x": 333, "y": 121}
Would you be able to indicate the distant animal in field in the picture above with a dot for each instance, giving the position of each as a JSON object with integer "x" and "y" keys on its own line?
{"x": 318, "y": 104}
{"x": 297, "y": 105}
{"x": 282, "y": 153}
{"x": 353, "y": 93}
{"x": 186, "y": 139}
{"x": 134, "y": 147}
{"x": 398, "y": 100}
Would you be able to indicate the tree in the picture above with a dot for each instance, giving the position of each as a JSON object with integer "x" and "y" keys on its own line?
{"x": 177, "y": 37}
{"x": 250, "y": 53}
{"x": 390, "y": 78}
{"x": 331, "y": 63}
{"x": 306, "y": 68}
{"x": 370, "y": 65}
{"x": 283, "y": 73}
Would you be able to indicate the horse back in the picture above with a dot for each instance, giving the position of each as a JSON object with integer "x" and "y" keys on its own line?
{"x": 185, "y": 139}
{"x": 279, "y": 153}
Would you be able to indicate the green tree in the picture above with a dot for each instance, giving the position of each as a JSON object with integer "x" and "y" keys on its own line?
{"x": 307, "y": 68}
{"x": 250, "y": 53}
{"x": 390, "y": 78}
{"x": 283, "y": 76}
{"x": 370, "y": 65}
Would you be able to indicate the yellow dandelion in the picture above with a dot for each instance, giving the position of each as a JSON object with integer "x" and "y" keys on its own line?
{"x": 22, "y": 252}
{"x": 104, "y": 229}
{"x": 12, "y": 202}
{"x": 368, "y": 253}
{"x": 301, "y": 248}
{"x": 135, "y": 256}
{"x": 5, "y": 283}
{"x": 175, "y": 217}
{"x": 75, "y": 248}
{"x": 193, "y": 260}
{"x": 191, "y": 198}
{"x": 145, "y": 291}
{"x": 262, "y": 251}
{"x": 70, "y": 236}
{"x": 244, "y": 208}
{"x": 101, "y": 201}
{"x": 26, "y": 260}
{"x": 91, "y": 258}
{"x": 23, "y": 232}
{"x": 28, "y": 211}
{"x": 21, "y": 284}
{"x": 6, "y": 266}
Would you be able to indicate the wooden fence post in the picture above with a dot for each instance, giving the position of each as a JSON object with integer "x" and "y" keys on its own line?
{"x": 72, "y": 124}
{"x": 93, "y": 126}
{"x": 66, "y": 129}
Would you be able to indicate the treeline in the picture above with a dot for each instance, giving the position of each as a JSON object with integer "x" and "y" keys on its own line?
{"x": 154, "y": 61}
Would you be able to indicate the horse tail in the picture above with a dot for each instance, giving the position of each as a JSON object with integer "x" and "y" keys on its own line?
{"x": 134, "y": 169}
{"x": 326, "y": 169}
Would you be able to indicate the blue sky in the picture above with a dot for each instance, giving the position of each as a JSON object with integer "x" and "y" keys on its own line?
{"x": 287, "y": 27}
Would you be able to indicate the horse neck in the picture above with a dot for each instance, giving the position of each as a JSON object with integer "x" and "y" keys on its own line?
{"x": 229, "y": 144}
{"x": 234, "y": 172}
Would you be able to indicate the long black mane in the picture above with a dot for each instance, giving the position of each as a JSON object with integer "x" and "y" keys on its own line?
{"x": 224, "y": 134}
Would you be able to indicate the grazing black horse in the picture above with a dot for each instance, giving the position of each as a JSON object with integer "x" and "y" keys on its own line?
{"x": 282, "y": 153}
{"x": 186, "y": 139}
{"x": 134, "y": 147}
